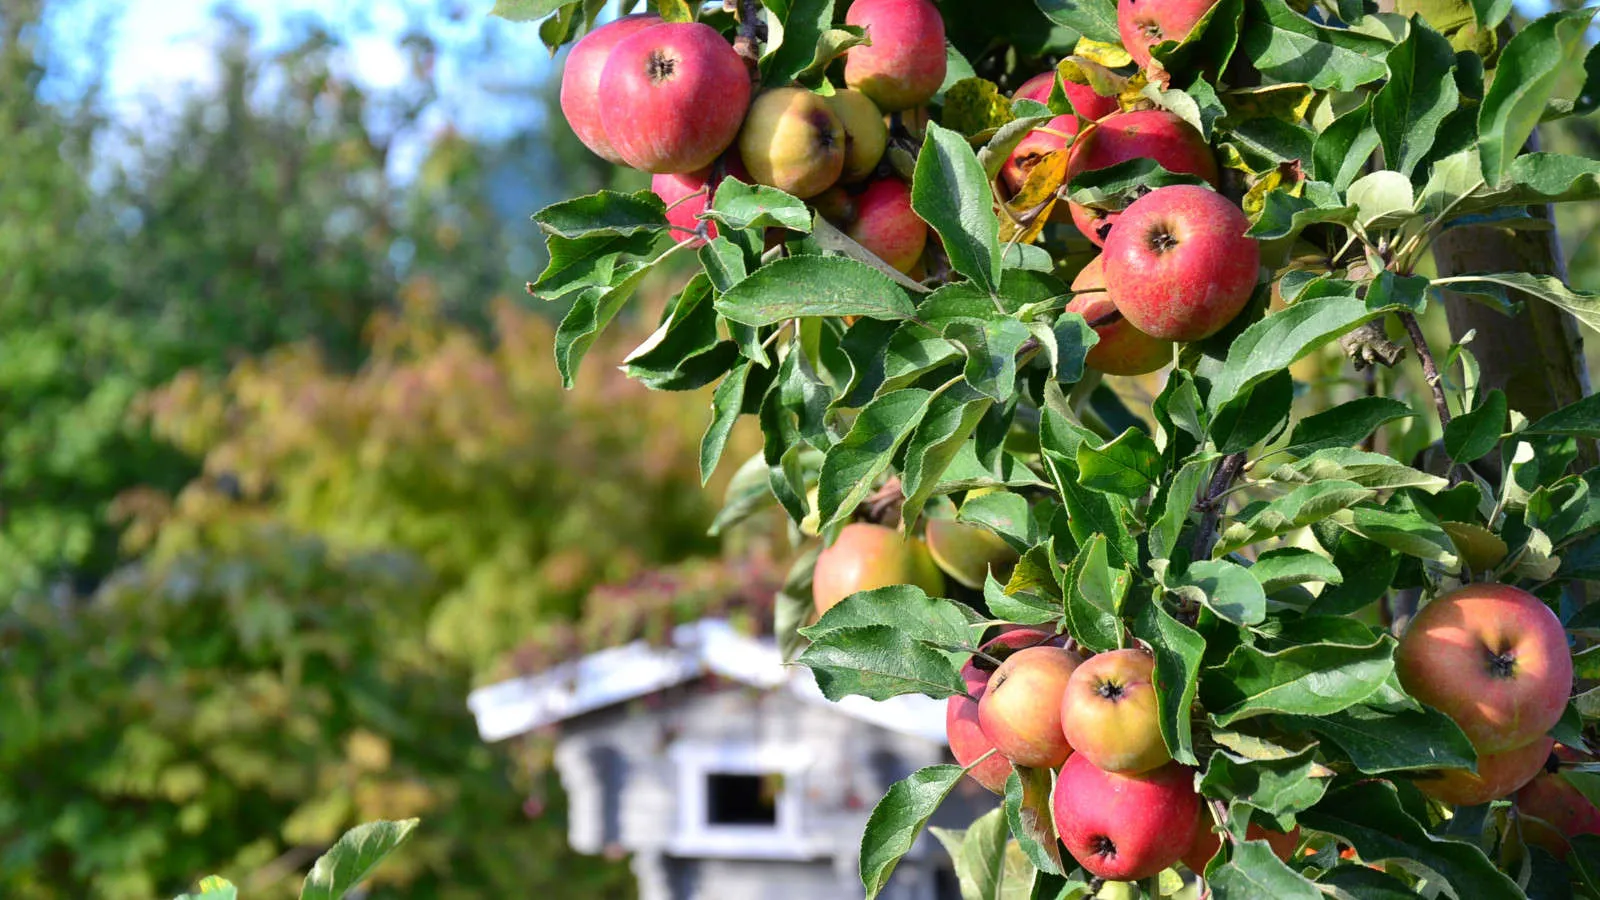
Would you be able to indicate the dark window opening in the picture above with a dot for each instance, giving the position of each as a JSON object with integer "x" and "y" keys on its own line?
{"x": 741, "y": 799}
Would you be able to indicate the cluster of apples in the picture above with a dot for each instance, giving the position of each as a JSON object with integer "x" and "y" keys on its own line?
{"x": 1495, "y": 659}
{"x": 1123, "y": 808}
{"x": 866, "y": 556}
{"x": 675, "y": 100}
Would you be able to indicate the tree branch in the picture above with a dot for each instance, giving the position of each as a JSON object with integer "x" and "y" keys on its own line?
{"x": 1210, "y": 505}
{"x": 1430, "y": 369}
{"x": 751, "y": 31}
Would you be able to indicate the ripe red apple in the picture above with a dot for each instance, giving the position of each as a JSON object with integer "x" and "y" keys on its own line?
{"x": 1492, "y": 657}
{"x": 1020, "y": 710}
{"x": 866, "y": 556}
{"x": 879, "y": 217}
{"x": 1125, "y": 827}
{"x": 1146, "y": 23}
{"x": 689, "y": 194}
{"x": 1142, "y": 134}
{"x": 905, "y": 63}
{"x": 580, "y": 81}
{"x": 1178, "y": 265}
{"x": 866, "y": 134}
{"x": 793, "y": 141}
{"x": 1498, "y": 774}
{"x": 1055, "y": 135}
{"x": 1556, "y": 801}
{"x": 1085, "y": 102}
{"x": 1207, "y": 842}
{"x": 965, "y": 735}
{"x": 654, "y": 97}
{"x": 1109, "y": 712}
{"x": 1123, "y": 349}
{"x": 968, "y": 553}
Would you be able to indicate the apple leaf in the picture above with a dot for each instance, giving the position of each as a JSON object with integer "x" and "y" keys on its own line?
{"x": 1343, "y": 148}
{"x": 1092, "y": 595}
{"x": 1254, "y": 872}
{"x": 1255, "y": 415}
{"x": 1116, "y": 186}
{"x": 1500, "y": 289}
{"x": 1580, "y": 419}
{"x": 1178, "y": 651}
{"x": 951, "y": 193}
{"x": 730, "y": 400}
{"x": 1369, "y": 816}
{"x": 952, "y": 416}
{"x": 980, "y": 855}
{"x": 1530, "y": 69}
{"x": 1302, "y": 506}
{"x": 1128, "y": 465}
{"x": 1470, "y": 436}
{"x": 604, "y": 213}
{"x": 1280, "y": 339}
{"x": 853, "y": 464}
{"x": 1227, "y": 589}
{"x": 1094, "y": 19}
{"x": 1373, "y": 471}
{"x": 1365, "y": 882}
{"x": 353, "y": 857}
{"x": 1027, "y": 809}
{"x": 1278, "y": 787}
{"x": 1287, "y": 566}
{"x": 1032, "y": 596}
{"x": 1287, "y": 47}
{"x": 991, "y": 345}
{"x": 525, "y": 10}
{"x": 879, "y": 662}
{"x": 591, "y": 312}
{"x": 814, "y": 286}
{"x": 897, "y": 820}
{"x": 1308, "y": 679}
{"x": 1005, "y": 513}
{"x": 906, "y": 607}
{"x": 740, "y": 206}
{"x": 1344, "y": 425}
{"x": 1404, "y": 531}
{"x": 1421, "y": 90}
{"x": 587, "y": 262}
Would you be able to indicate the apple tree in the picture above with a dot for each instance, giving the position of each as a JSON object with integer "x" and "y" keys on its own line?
{"x": 1094, "y": 346}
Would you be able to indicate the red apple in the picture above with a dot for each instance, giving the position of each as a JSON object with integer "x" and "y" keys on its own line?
{"x": 1109, "y": 712}
{"x": 580, "y": 80}
{"x": 672, "y": 97}
{"x": 1207, "y": 842}
{"x": 1556, "y": 801}
{"x": 1125, "y": 827}
{"x": 1498, "y": 774}
{"x": 1054, "y": 136}
{"x": 1178, "y": 265}
{"x": 1146, "y": 23}
{"x": 1492, "y": 657}
{"x": 865, "y": 557}
{"x": 905, "y": 63}
{"x": 966, "y": 737}
{"x": 1123, "y": 349}
{"x": 1085, "y": 102}
{"x": 689, "y": 194}
{"x": 1020, "y": 710}
{"x": 879, "y": 217}
{"x": 793, "y": 141}
{"x": 1142, "y": 134}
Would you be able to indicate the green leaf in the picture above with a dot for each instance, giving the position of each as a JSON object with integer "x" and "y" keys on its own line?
{"x": 1580, "y": 419}
{"x": 1302, "y": 506}
{"x": 991, "y": 346}
{"x": 979, "y": 855}
{"x": 603, "y": 213}
{"x": 353, "y": 858}
{"x": 1280, "y": 339}
{"x": 814, "y": 286}
{"x": 1288, "y": 47}
{"x": 739, "y": 206}
{"x": 1178, "y": 650}
{"x": 853, "y": 464}
{"x": 1254, "y": 872}
{"x": 1408, "y": 533}
{"x": 1383, "y": 199}
{"x": 1284, "y": 215}
{"x": 1275, "y": 786}
{"x": 1470, "y": 436}
{"x": 1380, "y": 741}
{"x": 1006, "y": 514}
{"x": 1027, "y": 809}
{"x": 525, "y": 10}
{"x": 684, "y": 353}
{"x": 1526, "y": 77}
{"x": 586, "y": 262}
{"x": 1287, "y": 566}
{"x": 1116, "y": 186}
{"x": 904, "y": 607}
{"x": 831, "y": 45}
{"x": 591, "y": 312}
{"x": 1499, "y": 288}
{"x": 1369, "y": 816}
{"x": 1093, "y": 513}
{"x": 798, "y": 26}
{"x": 1421, "y": 90}
{"x": 1254, "y": 416}
{"x": 879, "y": 662}
{"x": 1174, "y": 504}
{"x": 1364, "y": 883}
{"x": 1094, "y": 591}
{"x": 1128, "y": 465}
{"x": 1308, "y": 679}
{"x": 1344, "y": 425}
{"x": 1225, "y": 588}
{"x": 1368, "y": 570}
{"x": 1032, "y": 596}
{"x": 951, "y": 193}
{"x": 1094, "y": 19}
{"x": 897, "y": 820}
{"x": 1343, "y": 148}
{"x": 951, "y": 418}
{"x": 727, "y": 403}
{"x": 1374, "y": 471}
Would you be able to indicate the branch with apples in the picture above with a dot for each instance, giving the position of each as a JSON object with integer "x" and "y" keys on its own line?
{"x": 1075, "y": 334}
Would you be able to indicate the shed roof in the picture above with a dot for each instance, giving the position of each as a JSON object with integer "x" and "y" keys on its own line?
{"x": 697, "y": 649}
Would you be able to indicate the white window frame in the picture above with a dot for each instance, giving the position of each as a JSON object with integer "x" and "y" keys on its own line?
{"x": 694, "y": 835}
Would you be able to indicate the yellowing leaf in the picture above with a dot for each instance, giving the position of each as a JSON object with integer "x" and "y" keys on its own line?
{"x": 1034, "y": 202}
{"x": 1287, "y": 176}
{"x": 1111, "y": 56}
{"x": 974, "y": 105}
{"x": 1479, "y": 547}
{"x": 1288, "y": 102}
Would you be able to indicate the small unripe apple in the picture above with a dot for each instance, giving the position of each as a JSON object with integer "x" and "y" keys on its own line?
{"x": 1021, "y": 709}
{"x": 654, "y": 94}
{"x": 689, "y": 194}
{"x": 1178, "y": 265}
{"x": 1498, "y": 775}
{"x": 1123, "y": 349}
{"x": 905, "y": 63}
{"x": 866, "y": 135}
{"x": 1085, "y": 102}
{"x": 1146, "y": 23}
{"x": 1125, "y": 827}
{"x": 1492, "y": 657}
{"x": 1054, "y": 136}
{"x": 580, "y": 81}
{"x": 962, "y": 730}
{"x": 879, "y": 217}
{"x": 1109, "y": 712}
{"x": 865, "y": 557}
{"x": 1142, "y": 134}
{"x": 1207, "y": 842}
{"x": 793, "y": 141}
{"x": 968, "y": 553}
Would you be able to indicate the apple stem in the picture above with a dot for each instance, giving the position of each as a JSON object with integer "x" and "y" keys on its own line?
{"x": 748, "y": 42}
{"x": 1109, "y": 318}
{"x": 1430, "y": 368}
{"x": 1211, "y": 504}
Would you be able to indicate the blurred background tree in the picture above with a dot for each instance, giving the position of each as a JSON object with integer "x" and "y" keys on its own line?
{"x": 285, "y": 466}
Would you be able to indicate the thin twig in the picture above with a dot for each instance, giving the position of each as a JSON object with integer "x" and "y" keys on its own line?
{"x": 1430, "y": 369}
{"x": 748, "y": 42}
{"x": 1211, "y": 505}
